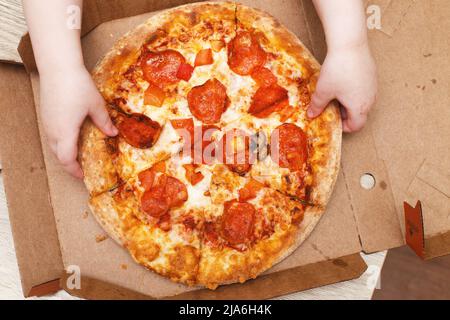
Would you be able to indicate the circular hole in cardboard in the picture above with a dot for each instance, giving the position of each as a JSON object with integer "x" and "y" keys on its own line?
{"x": 367, "y": 181}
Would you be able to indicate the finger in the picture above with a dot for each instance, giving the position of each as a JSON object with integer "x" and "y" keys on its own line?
{"x": 74, "y": 169}
{"x": 101, "y": 119}
{"x": 355, "y": 121}
{"x": 66, "y": 152}
{"x": 319, "y": 101}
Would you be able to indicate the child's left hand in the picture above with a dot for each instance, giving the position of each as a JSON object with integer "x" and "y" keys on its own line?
{"x": 348, "y": 75}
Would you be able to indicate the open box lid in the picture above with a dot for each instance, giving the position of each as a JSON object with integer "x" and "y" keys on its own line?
{"x": 394, "y": 147}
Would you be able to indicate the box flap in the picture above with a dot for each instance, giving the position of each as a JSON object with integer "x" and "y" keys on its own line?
{"x": 411, "y": 118}
{"x": 25, "y": 179}
{"x": 281, "y": 283}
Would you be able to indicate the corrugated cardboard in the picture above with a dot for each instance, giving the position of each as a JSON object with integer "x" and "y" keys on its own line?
{"x": 404, "y": 148}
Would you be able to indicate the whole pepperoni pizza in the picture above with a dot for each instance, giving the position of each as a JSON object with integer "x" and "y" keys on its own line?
{"x": 217, "y": 173}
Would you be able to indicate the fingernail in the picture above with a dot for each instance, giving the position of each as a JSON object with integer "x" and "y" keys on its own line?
{"x": 310, "y": 113}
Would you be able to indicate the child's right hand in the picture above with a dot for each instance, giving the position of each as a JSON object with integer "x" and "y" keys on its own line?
{"x": 67, "y": 98}
{"x": 348, "y": 75}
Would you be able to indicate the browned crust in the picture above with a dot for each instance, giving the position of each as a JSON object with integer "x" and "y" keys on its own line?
{"x": 327, "y": 146}
{"x": 186, "y": 264}
{"x": 246, "y": 265}
{"x": 103, "y": 209}
{"x": 96, "y": 160}
{"x": 119, "y": 220}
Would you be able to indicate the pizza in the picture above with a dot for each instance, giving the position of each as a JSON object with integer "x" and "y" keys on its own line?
{"x": 217, "y": 174}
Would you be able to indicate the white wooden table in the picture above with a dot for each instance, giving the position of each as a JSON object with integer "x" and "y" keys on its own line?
{"x": 12, "y": 26}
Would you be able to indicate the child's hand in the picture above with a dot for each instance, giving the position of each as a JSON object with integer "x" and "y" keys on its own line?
{"x": 68, "y": 93}
{"x": 348, "y": 75}
{"x": 67, "y": 98}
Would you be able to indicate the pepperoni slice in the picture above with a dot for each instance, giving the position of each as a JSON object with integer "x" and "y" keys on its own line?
{"x": 245, "y": 54}
{"x": 154, "y": 203}
{"x": 268, "y": 100}
{"x": 138, "y": 130}
{"x": 166, "y": 193}
{"x": 176, "y": 192}
{"x": 264, "y": 77}
{"x": 208, "y": 101}
{"x": 161, "y": 68}
{"x": 235, "y": 148}
{"x": 238, "y": 222}
{"x": 147, "y": 177}
{"x": 292, "y": 146}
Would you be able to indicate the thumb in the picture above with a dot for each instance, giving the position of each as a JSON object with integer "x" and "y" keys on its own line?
{"x": 101, "y": 119}
{"x": 319, "y": 101}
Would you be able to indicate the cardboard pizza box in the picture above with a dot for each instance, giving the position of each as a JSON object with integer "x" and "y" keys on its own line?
{"x": 404, "y": 150}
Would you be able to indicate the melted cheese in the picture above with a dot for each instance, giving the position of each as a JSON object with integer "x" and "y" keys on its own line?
{"x": 135, "y": 160}
{"x": 197, "y": 197}
{"x": 268, "y": 171}
{"x": 196, "y": 194}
